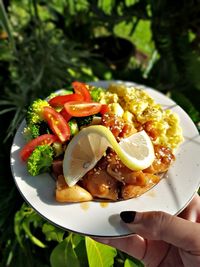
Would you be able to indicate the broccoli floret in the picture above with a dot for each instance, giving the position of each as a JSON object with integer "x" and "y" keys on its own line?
{"x": 96, "y": 93}
{"x": 32, "y": 131}
{"x": 35, "y": 111}
{"x": 74, "y": 128}
{"x": 40, "y": 160}
{"x": 58, "y": 149}
{"x": 82, "y": 121}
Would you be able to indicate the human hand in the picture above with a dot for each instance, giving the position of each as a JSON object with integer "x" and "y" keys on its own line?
{"x": 160, "y": 239}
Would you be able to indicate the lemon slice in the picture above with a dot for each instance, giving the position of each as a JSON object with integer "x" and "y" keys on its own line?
{"x": 89, "y": 145}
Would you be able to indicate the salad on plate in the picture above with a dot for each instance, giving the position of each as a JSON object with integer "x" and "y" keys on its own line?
{"x": 100, "y": 144}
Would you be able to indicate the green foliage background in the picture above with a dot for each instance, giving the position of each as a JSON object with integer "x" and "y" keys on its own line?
{"x": 45, "y": 45}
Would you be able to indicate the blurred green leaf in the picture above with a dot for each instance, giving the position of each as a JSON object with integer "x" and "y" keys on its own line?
{"x": 52, "y": 233}
{"x": 186, "y": 104}
{"x": 64, "y": 255}
{"x": 23, "y": 220}
{"x": 130, "y": 263}
{"x": 98, "y": 254}
{"x": 80, "y": 249}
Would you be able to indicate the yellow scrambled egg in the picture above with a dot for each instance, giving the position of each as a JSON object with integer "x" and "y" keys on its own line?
{"x": 136, "y": 106}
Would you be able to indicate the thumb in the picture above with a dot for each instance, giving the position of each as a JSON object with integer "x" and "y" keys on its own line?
{"x": 158, "y": 225}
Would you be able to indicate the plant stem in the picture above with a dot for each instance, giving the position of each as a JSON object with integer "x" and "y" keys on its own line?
{"x": 6, "y": 24}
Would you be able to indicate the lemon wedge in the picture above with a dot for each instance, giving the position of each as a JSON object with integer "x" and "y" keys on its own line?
{"x": 88, "y": 146}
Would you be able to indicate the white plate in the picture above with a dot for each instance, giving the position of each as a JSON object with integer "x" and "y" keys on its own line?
{"x": 171, "y": 194}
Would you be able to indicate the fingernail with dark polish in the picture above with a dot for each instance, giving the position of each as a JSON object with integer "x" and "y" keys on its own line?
{"x": 128, "y": 216}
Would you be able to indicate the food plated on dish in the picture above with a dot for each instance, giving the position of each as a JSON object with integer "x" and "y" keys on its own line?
{"x": 99, "y": 144}
{"x": 101, "y": 218}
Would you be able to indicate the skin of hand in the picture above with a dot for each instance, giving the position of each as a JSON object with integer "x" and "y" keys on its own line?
{"x": 160, "y": 239}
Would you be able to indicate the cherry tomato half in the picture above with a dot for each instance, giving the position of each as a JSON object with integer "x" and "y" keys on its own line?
{"x": 45, "y": 139}
{"x": 65, "y": 114}
{"x": 81, "y": 88}
{"x": 57, "y": 123}
{"x": 104, "y": 109}
{"x": 60, "y": 100}
{"x": 82, "y": 109}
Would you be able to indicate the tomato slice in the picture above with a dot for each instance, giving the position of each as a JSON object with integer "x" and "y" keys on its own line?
{"x": 81, "y": 88}
{"x": 65, "y": 114}
{"x": 82, "y": 109}
{"x": 45, "y": 139}
{"x": 57, "y": 123}
{"x": 60, "y": 100}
